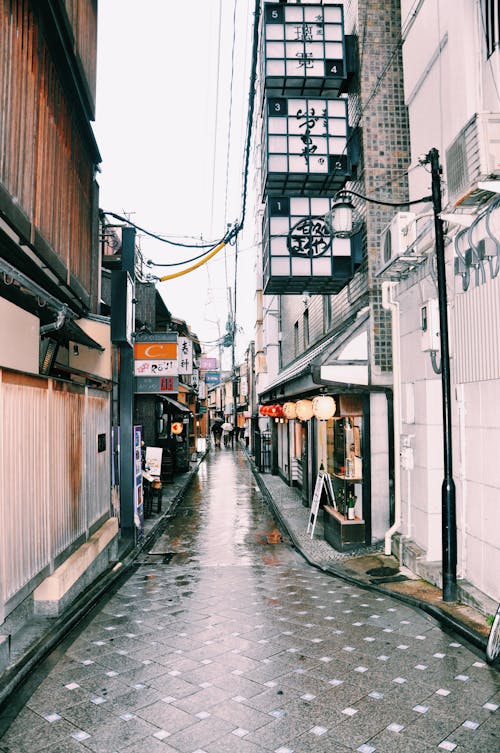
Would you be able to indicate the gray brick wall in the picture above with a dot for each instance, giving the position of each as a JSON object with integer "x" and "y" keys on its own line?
{"x": 376, "y": 106}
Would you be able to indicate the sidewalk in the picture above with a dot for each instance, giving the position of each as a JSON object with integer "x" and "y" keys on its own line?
{"x": 355, "y": 567}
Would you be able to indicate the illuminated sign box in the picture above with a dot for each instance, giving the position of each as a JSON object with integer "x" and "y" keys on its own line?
{"x": 306, "y": 146}
{"x": 155, "y": 355}
{"x": 299, "y": 252}
{"x": 303, "y": 49}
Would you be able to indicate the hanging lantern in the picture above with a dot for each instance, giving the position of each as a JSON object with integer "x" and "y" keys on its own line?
{"x": 276, "y": 411}
{"x": 323, "y": 407}
{"x": 289, "y": 410}
{"x": 304, "y": 410}
{"x": 263, "y": 410}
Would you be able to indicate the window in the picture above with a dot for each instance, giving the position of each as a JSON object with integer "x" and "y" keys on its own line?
{"x": 327, "y": 313}
{"x": 296, "y": 339}
{"x": 306, "y": 328}
{"x": 490, "y": 16}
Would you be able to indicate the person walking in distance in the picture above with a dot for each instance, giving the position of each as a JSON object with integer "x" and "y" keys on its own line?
{"x": 217, "y": 433}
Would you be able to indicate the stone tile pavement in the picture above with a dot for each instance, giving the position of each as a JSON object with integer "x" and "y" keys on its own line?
{"x": 253, "y": 651}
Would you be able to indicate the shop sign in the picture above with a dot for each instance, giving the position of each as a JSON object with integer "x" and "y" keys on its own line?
{"x": 155, "y": 367}
{"x": 212, "y": 377}
{"x": 303, "y": 48}
{"x": 177, "y": 427}
{"x": 154, "y": 385}
{"x": 184, "y": 355}
{"x": 299, "y": 250}
{"x": 306, "y": 145}
{"x": 208, "y": 364}
{"x": 138, "y": 490}
{"x": 156, "y": 356}
{"x": 195, "y": 378}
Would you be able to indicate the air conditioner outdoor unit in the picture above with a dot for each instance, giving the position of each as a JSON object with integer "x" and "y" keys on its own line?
{"x": 397, "y": 236}
{"x": 473, "y": 157}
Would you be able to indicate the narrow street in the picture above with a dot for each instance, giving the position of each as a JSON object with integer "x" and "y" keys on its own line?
{"x": 225, "y": 641}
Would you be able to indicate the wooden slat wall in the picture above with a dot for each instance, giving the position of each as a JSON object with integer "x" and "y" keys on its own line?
{"x": 83, "y": 19}
{"x": 54, "y": 483}
{"x": 44, "y": 163}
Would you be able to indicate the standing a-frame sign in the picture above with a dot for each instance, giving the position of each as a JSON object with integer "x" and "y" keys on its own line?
{"x": 323, "y": 480}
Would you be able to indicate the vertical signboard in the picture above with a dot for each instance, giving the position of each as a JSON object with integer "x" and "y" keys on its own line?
{"x": 303, "y": 49}
{"x": 138, "y": 491}
{"x": 299, "y": 250}
{"x": 184, "y": 356}
{"x": 306, "y": 145}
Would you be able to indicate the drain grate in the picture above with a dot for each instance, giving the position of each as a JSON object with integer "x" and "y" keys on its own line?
{"x": 382, "y": 572}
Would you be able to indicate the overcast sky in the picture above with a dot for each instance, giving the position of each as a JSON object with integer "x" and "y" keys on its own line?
{"x": 169, "y": 159}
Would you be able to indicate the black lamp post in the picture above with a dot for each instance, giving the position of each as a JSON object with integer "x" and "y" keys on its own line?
{"x": 341, "y": 216}
{"x": 448, "y": 495}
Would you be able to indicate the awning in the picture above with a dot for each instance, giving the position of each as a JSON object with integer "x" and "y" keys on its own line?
{"x": 346, "y": 363}
{"x": 176, "y": 404}
{"x": 341, "y": 359}
{"x": 76, "y": 334}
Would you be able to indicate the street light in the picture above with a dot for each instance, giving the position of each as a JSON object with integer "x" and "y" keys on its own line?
{"x": 343, "y": 213}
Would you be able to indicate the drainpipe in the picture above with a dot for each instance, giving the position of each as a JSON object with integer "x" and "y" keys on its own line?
{"x": 390, "y": 305}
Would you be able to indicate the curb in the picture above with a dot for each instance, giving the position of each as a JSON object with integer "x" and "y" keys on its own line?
{"x": 437, "y": 613}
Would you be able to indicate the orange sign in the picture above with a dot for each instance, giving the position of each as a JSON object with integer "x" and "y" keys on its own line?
{"x": 177, "y": 427}
{"x": 155, "y": 351}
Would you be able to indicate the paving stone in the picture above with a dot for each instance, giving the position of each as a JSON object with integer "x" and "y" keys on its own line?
{"x": 239, "y": 646}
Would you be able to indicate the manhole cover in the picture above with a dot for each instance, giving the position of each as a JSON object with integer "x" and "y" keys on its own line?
{"x": 382, "y": 572}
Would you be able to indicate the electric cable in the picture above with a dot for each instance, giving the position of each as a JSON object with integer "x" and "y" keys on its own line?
{"x": 151, "y": 263}
{"x": 155, "y": 235}
{"x": 204, "y": 260}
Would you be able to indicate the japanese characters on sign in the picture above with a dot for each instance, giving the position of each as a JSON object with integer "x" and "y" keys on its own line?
{"x": 300, "y": 252}
{"x": 306, "y": 144}
{"x": 156, "y": 384}
{"x": 303, "y": 42}
{"x": 184, "y": 355}
{"x": 208, "y": 364}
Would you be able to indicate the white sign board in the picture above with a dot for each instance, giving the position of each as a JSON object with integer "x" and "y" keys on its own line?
{"x": 155, "y": 368}
{"x": 323, "y": 480}
{"x": 184, "y": 355}
{"x": 153, "y": 460}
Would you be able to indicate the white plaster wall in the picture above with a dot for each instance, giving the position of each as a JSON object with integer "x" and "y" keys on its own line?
{"x": 19, "y": 338}
{"x": 441, "y": 88}
{"x": 379, "y": 459}
{"x": 443, "y": 91}
{"x": 478, "y": 487}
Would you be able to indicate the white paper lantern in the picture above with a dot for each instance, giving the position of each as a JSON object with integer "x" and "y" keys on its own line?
{"x": 323, "y": 407}
{"x": 289, "y": 410}
{"x": 304, "y": 410}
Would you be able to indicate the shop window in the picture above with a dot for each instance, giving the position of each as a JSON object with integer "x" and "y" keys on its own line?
{"x": 345, "y": 461}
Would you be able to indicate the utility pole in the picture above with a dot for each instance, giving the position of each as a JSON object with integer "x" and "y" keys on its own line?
{"x": 448, "y": 494}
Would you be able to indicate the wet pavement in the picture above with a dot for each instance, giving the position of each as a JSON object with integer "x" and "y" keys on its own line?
{"x": 224, "y": 640}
